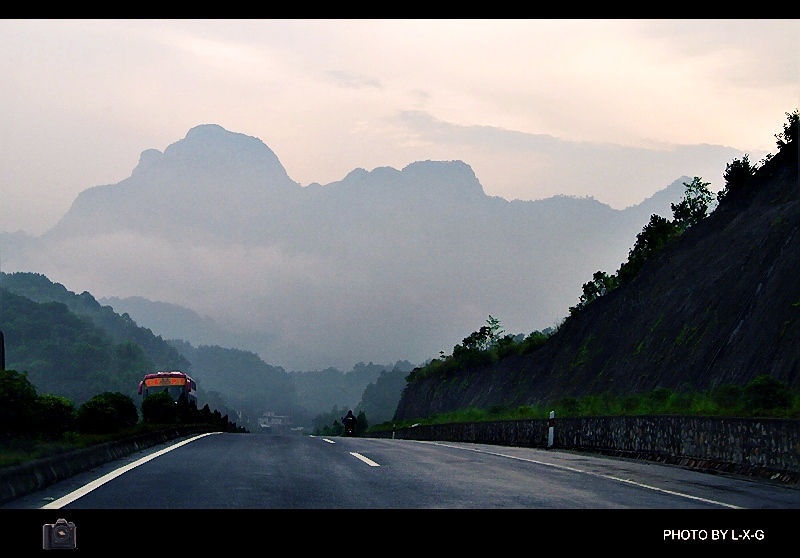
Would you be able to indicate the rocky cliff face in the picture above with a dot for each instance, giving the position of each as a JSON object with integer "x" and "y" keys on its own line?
{"x": 720, "y": 305}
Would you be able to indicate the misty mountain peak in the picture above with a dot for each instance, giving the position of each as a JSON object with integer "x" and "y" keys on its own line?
{"x": 444, "y": 181}
{"x": 147, "y": 160}
{"x": 210, "y": 148}
{"x": 454, "y": 178}
{"x": 212, "y": 179}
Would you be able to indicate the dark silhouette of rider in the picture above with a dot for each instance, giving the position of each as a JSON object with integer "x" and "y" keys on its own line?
{"x": 350, "y": 420}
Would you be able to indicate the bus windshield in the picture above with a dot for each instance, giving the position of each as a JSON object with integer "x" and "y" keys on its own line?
{"x": 174, "y": 391}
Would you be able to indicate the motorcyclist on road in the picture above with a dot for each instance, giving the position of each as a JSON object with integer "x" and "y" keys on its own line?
{"x": 349, "y": 421}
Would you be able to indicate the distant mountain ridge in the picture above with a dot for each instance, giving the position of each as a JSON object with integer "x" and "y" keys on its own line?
{"x": 172, "y": 321}
{"x": 384, "y": 265}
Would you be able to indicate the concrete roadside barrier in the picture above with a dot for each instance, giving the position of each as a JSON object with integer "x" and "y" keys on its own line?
{"x": 19, "y": 480}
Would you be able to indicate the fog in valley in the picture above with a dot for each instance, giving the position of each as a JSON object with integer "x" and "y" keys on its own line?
{"x": 383, "y": 265}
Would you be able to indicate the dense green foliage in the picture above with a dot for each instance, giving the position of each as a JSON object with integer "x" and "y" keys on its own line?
{"x": 763, "y": 397}
{"x": 18, "y": 400}
{"x": 118, "y": 328}
{"x": 33, "y": 425}
{"x": 482, "y": 347}
{"x": 66, "y": 354}
{"x": 485, "y": 346}
{"x": 105, "y": 413}
{"x": 71, "y": 347}
{"x": 55, "y": 416}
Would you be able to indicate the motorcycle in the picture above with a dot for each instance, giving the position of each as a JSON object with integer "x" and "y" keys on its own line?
{"x": 349, "y": 427}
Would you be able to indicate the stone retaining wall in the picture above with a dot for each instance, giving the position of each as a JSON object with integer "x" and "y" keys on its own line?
{"x": 763, "y": 447}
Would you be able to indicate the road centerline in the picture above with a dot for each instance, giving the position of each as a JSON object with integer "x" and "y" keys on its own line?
{"x": 366, "y": 460}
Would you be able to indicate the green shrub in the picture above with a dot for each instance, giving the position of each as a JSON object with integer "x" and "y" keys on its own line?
{"x": 105, "y": 413}
{"x": 55, "y": 416}
{"x": 728, "y": 396}
{"x": 631, "y": 405}
{"x": 17, "y": 404}
{"x": 766, "y": 393}
{"x": 568, "y": 407}
{"x": 658, "y": 398}
{"x": 127, "y": 413}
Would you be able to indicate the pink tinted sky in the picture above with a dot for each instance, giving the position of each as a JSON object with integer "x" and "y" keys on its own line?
{"x": 81, "y": 99}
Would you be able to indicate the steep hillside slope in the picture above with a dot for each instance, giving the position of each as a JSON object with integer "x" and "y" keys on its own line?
{"x": 720, "y": 305}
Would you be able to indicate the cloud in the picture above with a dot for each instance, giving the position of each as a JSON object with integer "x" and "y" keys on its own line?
{"x": 352, "y": 81}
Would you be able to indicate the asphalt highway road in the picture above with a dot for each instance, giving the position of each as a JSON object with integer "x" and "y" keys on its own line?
{"x": 260, "y": 472}
{"x": 256, "y": 471}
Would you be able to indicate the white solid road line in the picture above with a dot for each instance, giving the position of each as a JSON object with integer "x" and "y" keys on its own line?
{"x": 72, "y": 496}
{"x": 554, "y": 465}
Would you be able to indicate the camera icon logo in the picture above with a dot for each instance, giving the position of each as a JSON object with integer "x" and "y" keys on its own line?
{"x": 59, "y": 535}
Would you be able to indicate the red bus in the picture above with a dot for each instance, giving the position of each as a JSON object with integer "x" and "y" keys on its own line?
{"x": 175, "y": 383}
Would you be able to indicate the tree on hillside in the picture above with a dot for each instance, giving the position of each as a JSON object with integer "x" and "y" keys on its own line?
{"x": 789, "y": 133}
{"x": 693, "y": 208}
{"x": 495, "y": 330}
{"x": 38, "y": 288}
{"x": 695, "y": 205}
{"x": 651, "y": 240}
{"x": 736, "y": 174}
{"x": 65, "y": 354}
{"x": 601, "y": 284}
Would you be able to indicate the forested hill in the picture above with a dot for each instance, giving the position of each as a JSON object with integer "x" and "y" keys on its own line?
{"x": 39, "y": 288}
{"x": 65, "y": 354}
{"x": 717, "y": 304}
{"x": 70, "y": 345}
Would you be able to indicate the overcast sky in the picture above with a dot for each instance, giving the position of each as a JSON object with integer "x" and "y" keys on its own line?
{"x": 81, "y": 99}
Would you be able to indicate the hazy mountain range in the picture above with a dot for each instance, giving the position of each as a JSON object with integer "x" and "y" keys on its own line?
{"x": 210, "y": 241}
